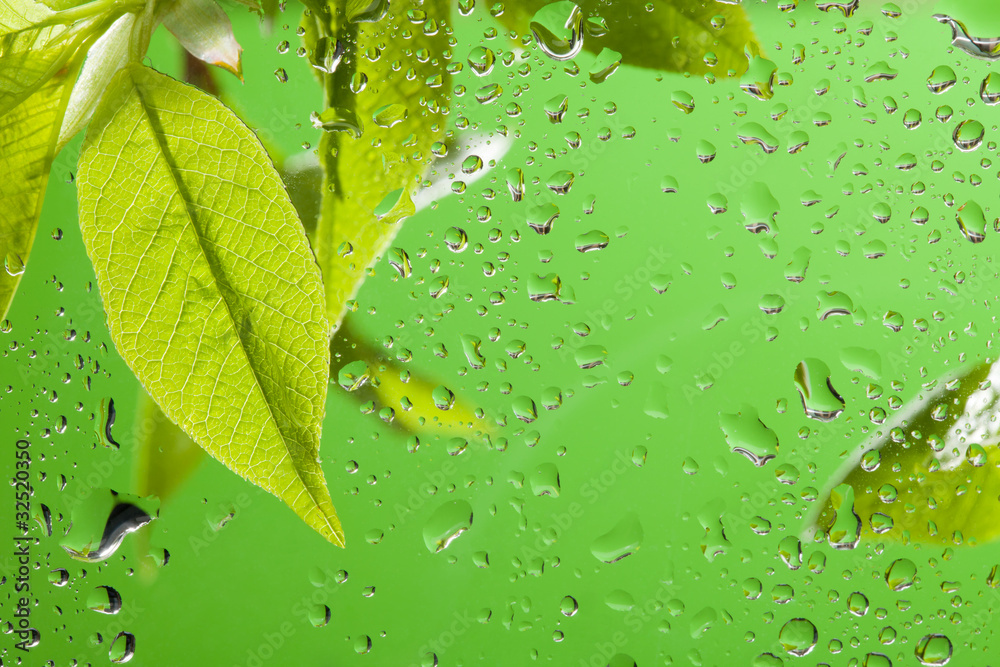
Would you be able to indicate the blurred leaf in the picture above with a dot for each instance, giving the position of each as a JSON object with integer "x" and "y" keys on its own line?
{"x": 28, "y": 136}
{"x": 407, "y": 391}
{"x": 674, "y": 36}
{"x": 932, "y": 476}
{"x": 166, "y": 456}
{"x": 389, "y": 156}
{"x": 219, "y": 316}
{"x": 37, "y": 43}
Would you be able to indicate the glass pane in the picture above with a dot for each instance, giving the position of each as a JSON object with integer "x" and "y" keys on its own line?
{"x": 663, "y": 334}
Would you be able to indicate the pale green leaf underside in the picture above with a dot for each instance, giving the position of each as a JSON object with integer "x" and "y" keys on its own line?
{"x": 213, "y": 296}
{"x": 27, "y": 146}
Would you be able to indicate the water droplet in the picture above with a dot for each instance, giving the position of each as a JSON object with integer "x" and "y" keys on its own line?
{"x": 545, "y": 480}
{"x": 901, "y": 574}
{"x": 122, "y": 648}
{"x": 390, "y": 115}
{"x": 592, "y": 240}
{"x": 798, "y": 636}
{"x": 845, "y": 533}
{"x": 446, "y": 524}
{"x": 819, "y": 399}
{"x": 568, "y": 606}
{"x": 319, "y": 615}
{"x": 326, "y": 55}
{"x": 972, "y": 221}
{"x": 13, "y": 263}
{"x": 607, "y": 63}
{"x": 354, "y": 375}
{"x": 101, "y": 522}
{"x": 336, "y": 119}
{"x": 558, "y": 29}
{"x": 746, "y": 434}
{"x": 968, "y": 135}
{"x": 621, "y": 541}
{"x": 934, "y": 650}
{"x": 481, "y": 60}
{"x": 105, "y": 600}
{"x": 857, "y": 603}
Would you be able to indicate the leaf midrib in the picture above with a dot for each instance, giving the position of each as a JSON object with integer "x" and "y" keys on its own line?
{"x": 172, "y": 168}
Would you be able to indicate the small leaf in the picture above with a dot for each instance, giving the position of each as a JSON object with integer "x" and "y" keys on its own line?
{"x": 675, "y": 36}
{"x": 205, "y": 31}
{"x": 27, "y": 147}
{"x": 212, "y": 294}
{"x": 108, "y": 55}
{"x": 934, "y": 478}
{"x": 358, "y": 177}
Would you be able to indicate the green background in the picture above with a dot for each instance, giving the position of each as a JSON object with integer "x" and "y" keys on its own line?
{"x": 241, "y": 595}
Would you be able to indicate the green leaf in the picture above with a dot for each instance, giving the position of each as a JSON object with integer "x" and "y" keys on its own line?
{"x": 27, "y": 146}
{"x": 212, "y": 294}
{"x": 410, "y": 100}
{"x": 933, "y": 475}
{"x": 674, "y": 37}
{"x": 35, "y": 45}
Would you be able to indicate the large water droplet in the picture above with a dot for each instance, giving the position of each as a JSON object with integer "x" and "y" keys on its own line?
{"x": 105, "y": 600}
{"x": 968, "y": 135}
{"x": 621, "y": 541}
{"x": 122, "y": 648}
{"x": 934, "y": 650}
{"x": 558, "y": 29}
{"x": 746, "y": 434}
{"x": 819, "y": 399}
{"x": 901, "y": 574}
{"x": 101, "y": 523}
{"x": 984, "y": 48}
{"x": 446, "y": 524}
{"x": 798, "y": 636}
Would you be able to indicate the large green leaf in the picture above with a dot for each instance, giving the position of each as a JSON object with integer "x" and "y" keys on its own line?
{"x": 212, "y": 294}
{"x": 28, "y": 136}
{"x": 401, "y": 60}
{"x": 674, "y": 36}
{"x": 932, "y": 475}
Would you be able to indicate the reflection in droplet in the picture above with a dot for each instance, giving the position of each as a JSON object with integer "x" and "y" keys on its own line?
{"x": 101, "y": 523}
{"x": 446, "y": 524}
{"x": 746, "y": 434}
{"x": 934, "y": 650}
{"x": 105, "y": 600}
{"x": 621, "y": 541}
{"x": 968, "y": 135}
{"x": 798, "y": 636}
{"x": 122, "y": 648}
{"x": 558, "y": 29}
{"x": 819, "y": 399}
{"x": 979, "y": 47}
